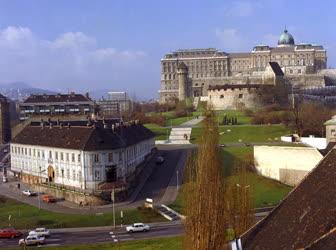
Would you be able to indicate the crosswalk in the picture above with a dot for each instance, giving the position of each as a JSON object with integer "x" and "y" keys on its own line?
{"x": 116, "y": 237}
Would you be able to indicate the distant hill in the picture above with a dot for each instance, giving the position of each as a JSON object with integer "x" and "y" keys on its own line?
{"x": 19, "y": 91}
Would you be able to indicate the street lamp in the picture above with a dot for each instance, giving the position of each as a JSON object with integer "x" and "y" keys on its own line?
{"x": 40, "y": 172}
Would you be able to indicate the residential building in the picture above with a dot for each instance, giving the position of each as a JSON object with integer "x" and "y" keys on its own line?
{"x": 56, "y": 105}
{"x": 80, "y": 154}
{"x": 114, "y": 104}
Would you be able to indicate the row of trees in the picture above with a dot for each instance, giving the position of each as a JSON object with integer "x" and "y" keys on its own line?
{"x": 214, "y": 206}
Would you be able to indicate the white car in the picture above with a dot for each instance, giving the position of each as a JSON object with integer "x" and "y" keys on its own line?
{"x": 32, "y": 240}
{"x": 29, "y": 193}
{"x": 40, "y": 232}
{"x": 137, "y": 227}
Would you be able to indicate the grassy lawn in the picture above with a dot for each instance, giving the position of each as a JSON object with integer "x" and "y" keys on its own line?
{"x": 24, "y": 216}
{"x": 265, "y": 191}
{"x": 160, "y": 132}
{"x": 171, "y": 243}
{"x": 248, "y": 133}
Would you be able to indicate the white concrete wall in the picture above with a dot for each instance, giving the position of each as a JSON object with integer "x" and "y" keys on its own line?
{"x": 315, "y": 142}
{"x": 270, "y": 159}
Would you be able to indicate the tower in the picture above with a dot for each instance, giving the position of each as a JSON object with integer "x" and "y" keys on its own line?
{"x": 5, "y": 128}
{"x": 182, "y": 73}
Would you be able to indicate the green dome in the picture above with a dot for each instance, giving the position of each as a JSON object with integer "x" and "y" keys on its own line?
{"x": 286, "y": 39}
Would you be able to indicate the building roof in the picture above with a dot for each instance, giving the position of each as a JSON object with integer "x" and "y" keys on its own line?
{"x": 304, "y": 216}
{"x": 83, "y": 135}
{"x": 276, "y": 69}
{"x": 44, "y": 98}
{"x": 286, "y": 38}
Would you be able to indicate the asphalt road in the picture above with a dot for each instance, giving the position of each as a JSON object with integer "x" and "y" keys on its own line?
{"x": 102, "y": 236}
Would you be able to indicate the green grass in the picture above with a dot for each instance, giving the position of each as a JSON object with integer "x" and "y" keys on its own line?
{"x": 248, "y": 133}
{"x": 24, "y": 216}
{"x": 160, "y": 132}
{"x": 265, "y": 191}
{"x": 178, "y": 120}
{"x": 169, "y": 243}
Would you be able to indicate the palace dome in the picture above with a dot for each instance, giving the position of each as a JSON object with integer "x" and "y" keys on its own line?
{"x": 286, "y": 39}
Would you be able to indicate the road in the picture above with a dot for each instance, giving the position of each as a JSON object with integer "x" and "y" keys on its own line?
{"x": 103, "y": 235}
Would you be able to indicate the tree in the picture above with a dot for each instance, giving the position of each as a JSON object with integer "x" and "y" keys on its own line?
{"x": 204, "y": 195}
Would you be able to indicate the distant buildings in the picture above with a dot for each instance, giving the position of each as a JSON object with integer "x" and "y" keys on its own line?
{"x": 57, "y": 104}
{"x": 188, "y": 73}
{"x": 84, "y": 155}
{"x": 5, "y": 127}
{"x": 115, "y": 104}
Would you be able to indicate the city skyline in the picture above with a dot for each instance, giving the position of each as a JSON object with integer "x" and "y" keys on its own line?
{"x": 118, "y": 46}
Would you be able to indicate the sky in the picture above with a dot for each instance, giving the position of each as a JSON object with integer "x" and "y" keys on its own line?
{"x": 117, "y": 45}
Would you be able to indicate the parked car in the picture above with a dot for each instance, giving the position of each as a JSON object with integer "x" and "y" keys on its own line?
{"x": 32, "y": 240}
{"x": 9, "y": 233}
{"x": 159, "y": 160}
{"x": 137, "y": 227}
{"x": 41, "y": 231}
{"x": 48, "y": 198}
{"x": 29, "y": 193}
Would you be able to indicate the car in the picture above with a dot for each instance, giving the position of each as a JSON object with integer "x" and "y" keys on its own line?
{"x": 159, "y": 160}
{"x": 48, "y": 198}
{"x": 32, "y": 240}
{"x": 29, "y": 193}
{"x": 41, "y": 231}
{"x": 9, "y": 233}
{"x": 137, "y": 227}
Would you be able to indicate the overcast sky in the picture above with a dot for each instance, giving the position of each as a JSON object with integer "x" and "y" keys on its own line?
{"x": 117, "y": 45}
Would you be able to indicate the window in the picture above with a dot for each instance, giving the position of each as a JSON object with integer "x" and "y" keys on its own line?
{"x": 50, "y": 155}
{"x": 96, "y": 158}
{"x": 299, "y": 71}
{"x": 62, "y": 158}
{"x": 221, "y": 96}
{"x": 68, "y": 174}
{"x": 30, "y": 152}
{"x": 79, "y": 158}
{"x": 42, "y": 154}
{"x": 333, "y": 132}
{"x": 240, "y": 96}
{"x": 110, "y": 157}
{"x": 74, "y": 175}
{"x": 73, "y": 157}
{"x": 97, "y": 175}
{"x": 25, "y": 151}
{"x": 79, "y": 175}
{"x": 67, "y": 156}
{"x": 56, "y": 155}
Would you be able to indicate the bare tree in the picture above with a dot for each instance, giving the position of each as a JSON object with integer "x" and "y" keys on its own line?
{"x": 204, "y": 194}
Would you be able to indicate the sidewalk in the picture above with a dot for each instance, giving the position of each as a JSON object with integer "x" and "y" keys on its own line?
{"x": 192, "y": 122}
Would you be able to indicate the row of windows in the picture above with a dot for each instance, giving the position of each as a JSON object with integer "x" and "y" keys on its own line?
{"x": 42, "y": 154}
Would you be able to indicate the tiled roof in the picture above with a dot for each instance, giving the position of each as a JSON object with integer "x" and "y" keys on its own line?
{"x": 304, "y": 216}
{"x": 72, "y": 97}
{"x": 83, "y": 136}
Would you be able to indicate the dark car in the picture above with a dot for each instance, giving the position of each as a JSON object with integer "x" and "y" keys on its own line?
{"x": 159, "y": 160}
{"x": 9, "y": 233}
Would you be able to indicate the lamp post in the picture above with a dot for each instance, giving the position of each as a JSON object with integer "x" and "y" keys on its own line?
{"x": 39, "y": 199}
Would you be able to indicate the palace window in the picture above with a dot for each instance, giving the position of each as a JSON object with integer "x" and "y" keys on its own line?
{"x": 67, "y": 156}
{"x": 110, "y": 157}
{"x": 221, "y": 96}
{"x": 62, "y": 158}
{"x": 68, "y": 174}
{"x": 79, "y": 157}
{"x": 56, "y": 155}
{"x": 96, "y": 158}
{"x": 73, "y": 157}
{"x": 240, "y": 96}
{"x": 97, "y": 175}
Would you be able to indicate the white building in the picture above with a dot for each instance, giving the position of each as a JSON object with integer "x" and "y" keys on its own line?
{"x": 81, "y": 154}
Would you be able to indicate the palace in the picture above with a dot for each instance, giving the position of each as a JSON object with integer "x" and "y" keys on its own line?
{"x": 190, "y": 72}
